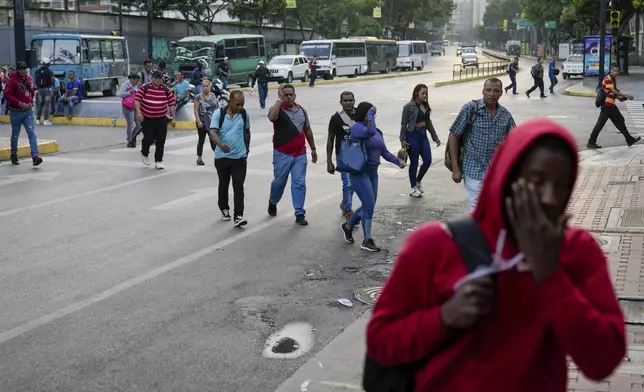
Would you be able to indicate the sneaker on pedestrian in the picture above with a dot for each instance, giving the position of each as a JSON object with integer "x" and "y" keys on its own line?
{"x": 414, "y": 192}
{"x": 272, "y": 209}
{"x": 200, "y": 161}
{"x": 420, "y": 188}
{"x": 146, "y": 160}
{"x": 36, "y": 160}
{"x": 240, "y": 221}
{"x": 225, "y": 215}
{"x": 348, "y": 233}
{"x": 158, "y": 165}
{"x": 527, "y": 94}
{"x": 634, "y": 140}
{"x": 593, "y": 146}
{"x": 37, "y": 122}
{"x": 15, "y": 160}
{"x": 369, "y": 245}
{"x": 301, "y": 220}
{"x": 47, "y": 122}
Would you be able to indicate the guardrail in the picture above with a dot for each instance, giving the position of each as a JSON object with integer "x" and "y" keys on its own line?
{"x": 459, "y": 71}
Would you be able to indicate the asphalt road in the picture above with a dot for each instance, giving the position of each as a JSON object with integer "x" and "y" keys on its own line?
{"x": 117, "y": 277}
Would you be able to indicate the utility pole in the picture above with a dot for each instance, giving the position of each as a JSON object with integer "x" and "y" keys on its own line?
{"x": 20, "y": 41}
{"x": 602, "y": 39}
{"x": 149, "y": 4}
{"x": 120, "y": 17}
{"x": 284, "y": 29}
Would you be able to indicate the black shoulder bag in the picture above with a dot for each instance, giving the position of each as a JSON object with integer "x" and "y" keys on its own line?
{"x": 475, "y": 252}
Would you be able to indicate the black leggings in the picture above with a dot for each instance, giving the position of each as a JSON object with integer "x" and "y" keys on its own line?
{"x": 203, "y": 134}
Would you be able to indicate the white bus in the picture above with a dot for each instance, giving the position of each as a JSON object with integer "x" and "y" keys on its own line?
{"x": 337, "y": 57}
{"x": 412, "y": 55}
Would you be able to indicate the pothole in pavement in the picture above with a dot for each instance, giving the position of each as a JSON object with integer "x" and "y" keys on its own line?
{"x": 292, "y": 341}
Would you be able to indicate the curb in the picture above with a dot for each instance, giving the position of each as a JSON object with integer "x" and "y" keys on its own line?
{"x": 465, "y": 80}
{"x": 106, "y": 122}
{"x": 44, "y": 148}
{"x": 349, "y": 80}
{"x": 584, "y": 94}
{"x": 504, "y": 57}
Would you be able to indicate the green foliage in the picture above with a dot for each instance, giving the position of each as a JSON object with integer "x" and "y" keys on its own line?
{"x": 399, "y": 14}
{"x": 257, "y": 10}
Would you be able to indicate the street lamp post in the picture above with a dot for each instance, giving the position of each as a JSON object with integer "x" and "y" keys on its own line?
{"x": 602, "y": 39}
{"x": 20, "y": 41}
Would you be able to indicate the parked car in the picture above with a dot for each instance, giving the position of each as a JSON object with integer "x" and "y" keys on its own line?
{"x": 573, "y": 66}
{"x": 288, "y": 68}
{"x": 469, "y": 58}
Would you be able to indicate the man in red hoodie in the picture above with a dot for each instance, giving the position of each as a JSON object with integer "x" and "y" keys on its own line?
{"x": 550, "y": 297}
{"x": 19, "y": 93}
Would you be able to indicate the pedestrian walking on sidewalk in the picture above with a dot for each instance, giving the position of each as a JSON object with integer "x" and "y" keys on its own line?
{"x": 291, "y": 128}
{"x": 153, "y": 101}
{"x": 230, "y": 132}
{"x": 479, "y": 128}
{"x": 609, "y": 110}
{"x": 260, "y": 79}
{"x": 537, "y": 76}
{"x": 205, "y": 104}
{"x": 413, "y": 136}
{"x": 19, "y": 93}
{"x": 365, "y": 184}
{"x": 512, "y": 70}
{"x": 128, "y": 94}
{"x": 44, "y": 81}
{"x": 553, "y": 71}
{"x": 339, "y": 133}
{"x": 546, "y": 294}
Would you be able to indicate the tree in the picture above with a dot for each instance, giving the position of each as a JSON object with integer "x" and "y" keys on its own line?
{"x": 496, "y": 13}
{"x": 401, "y": 14}
{"x": 258, "y": 10}
{"x": 336, "y": 18}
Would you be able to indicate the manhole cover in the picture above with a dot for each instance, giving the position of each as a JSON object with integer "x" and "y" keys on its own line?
{"x": 633, "y": 217}
{"x": 369, "y": 295}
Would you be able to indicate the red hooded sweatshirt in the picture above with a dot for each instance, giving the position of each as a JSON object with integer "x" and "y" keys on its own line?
{"x": 19, "y": 90}
{"x": 522, "y": 346}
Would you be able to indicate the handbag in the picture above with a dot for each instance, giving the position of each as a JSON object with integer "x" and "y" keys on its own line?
{"x": 468, "y": 128}
{"x": 475, "y": 252}
{"x": 353, "y": 157}
{"x": 556, "y": 71}
{"x": 600, "y": 98}
{"x": 128, "y": 101}
{"x": 403, "y": 155}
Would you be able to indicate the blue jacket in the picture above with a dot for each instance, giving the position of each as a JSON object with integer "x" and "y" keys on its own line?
{"x": 374, "y": 141}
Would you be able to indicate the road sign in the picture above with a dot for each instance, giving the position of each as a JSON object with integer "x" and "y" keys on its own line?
{"x": 505, "y": 25}
{"x": 551, "y": 25}
{"x": 291, "y": 4}
{"x": 377, "y": 12}
{"x": 525, "y": 23}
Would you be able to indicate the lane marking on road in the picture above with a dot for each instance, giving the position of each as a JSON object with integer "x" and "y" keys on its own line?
{"x": 80, "y": 305}
{"x": 195, "y": 196}
{"x": 82, "y": 195}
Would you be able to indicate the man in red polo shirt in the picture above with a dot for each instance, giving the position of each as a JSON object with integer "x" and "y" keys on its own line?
{"x": 152, "y": 102}
{"x": 609, "y": 110}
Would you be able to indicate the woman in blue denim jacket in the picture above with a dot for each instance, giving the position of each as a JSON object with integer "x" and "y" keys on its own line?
{"x": 413, "y": 136}
{"x": 365, "y": 184}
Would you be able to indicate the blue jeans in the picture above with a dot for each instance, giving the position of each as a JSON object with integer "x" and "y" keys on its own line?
{"x": 283, "y": 165}
{"x": 513, "y": 85}
{"x": 366, "y": 187}
{"x": 18, "y": 119}
{"x": 224, "y": 81}
{"x": 553, "y": 82}
{"x": 71, "y": 101}
{"x": 418, "y": 147}
{"x": 262, "y": 89}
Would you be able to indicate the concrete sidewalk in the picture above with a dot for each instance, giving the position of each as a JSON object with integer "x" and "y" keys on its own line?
{"x": 607, "y": 202}
{"x": 632, "y": 83}
{"x": 44, "y": 147}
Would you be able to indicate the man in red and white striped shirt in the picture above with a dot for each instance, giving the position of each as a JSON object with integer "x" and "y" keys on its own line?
{"x": 152, "y": 102}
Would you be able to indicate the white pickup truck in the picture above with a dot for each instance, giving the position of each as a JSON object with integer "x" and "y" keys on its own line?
{"x": 573, "y": 66}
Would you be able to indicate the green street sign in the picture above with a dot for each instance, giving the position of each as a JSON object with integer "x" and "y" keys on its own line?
{"x": 551, "y": 25}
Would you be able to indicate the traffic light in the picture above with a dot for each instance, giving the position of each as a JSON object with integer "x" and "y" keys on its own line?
{"x": 615, "y": 17}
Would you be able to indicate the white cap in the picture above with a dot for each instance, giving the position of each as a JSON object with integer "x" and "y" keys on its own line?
{"x": 225, "y": 58}
{"x": 46, "y": 60}
{"x": 261, "y": 62}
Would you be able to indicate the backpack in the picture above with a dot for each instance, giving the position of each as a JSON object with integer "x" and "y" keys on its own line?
{"x": 600, "y": 98}
{"x": 475, "y": 252}
{"x": 165, "y": 89}
{"x": 39, "y": 80}
{"x": 222, "y": 118}
{"x": 468, "y": 128}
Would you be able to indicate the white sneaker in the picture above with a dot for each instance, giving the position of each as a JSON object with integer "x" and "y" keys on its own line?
{"x": 240, "y": 221}
{"x": 37, "y": 122}
{"x": 225, "y": 215}
{"x": 47, "y": 122}
{"x": 415, "y": 192}
{"x": 146, "y": 160}
{"x": 420, "y": 188}
{"x": 159, "y": 165}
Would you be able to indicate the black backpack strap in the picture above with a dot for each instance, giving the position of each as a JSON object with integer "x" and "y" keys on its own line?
{"x": 473, "y": 246}
{"x": 222, "y": 116}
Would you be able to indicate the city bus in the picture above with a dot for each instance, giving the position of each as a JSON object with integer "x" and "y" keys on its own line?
{"x": 101, "y": 62}
{"x": 244, "y": 51}
{"x": 412, "y": 55}
{"x": 337, "y": 57}
{"x": 381, "y": 55}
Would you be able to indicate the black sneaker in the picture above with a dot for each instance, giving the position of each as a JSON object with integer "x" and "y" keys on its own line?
{"x": 348, "y": 233}
{"x": 225, "y": 215}
{"x": 15, "y": 160}
{"x": 593, "y": 146}
{"x": 301, "y": 220}
{"x": 634, "y": 140}
{"x": 272, "y": 209}
{"x": 527, "y": 94}
{"x": 36, "y": 160}
{"x": 369, "y": 245}
{"x": 240, "y": 221}
{"x": 131, "y": 145}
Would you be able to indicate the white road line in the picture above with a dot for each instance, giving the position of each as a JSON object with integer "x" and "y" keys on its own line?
{"x": 81, "y": 195}
{"x": 80, "y": 305}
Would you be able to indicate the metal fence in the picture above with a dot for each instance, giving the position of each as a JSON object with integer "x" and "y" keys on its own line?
{"x": 488, "y": 68}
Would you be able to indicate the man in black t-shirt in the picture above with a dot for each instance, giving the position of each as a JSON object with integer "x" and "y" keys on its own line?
{"x": 44, "y": 82}
{"x": 339, "y": 131}
{"x": 223, "y": 69}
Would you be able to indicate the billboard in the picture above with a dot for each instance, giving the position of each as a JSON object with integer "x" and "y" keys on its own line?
{"x": 591, "y": 55}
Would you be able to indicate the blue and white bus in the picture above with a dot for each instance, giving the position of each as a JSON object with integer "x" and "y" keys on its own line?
{"x": 102, "y": 62}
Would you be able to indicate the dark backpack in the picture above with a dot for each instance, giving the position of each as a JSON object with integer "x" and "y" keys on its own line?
{"x": 222, "y": 118}
{"x": 475, "y": 252}
{"x": 165, "y": 89}
{"x": 40, "y": 79}
{"x": 449, "y": 159}
{"x": 600, "y": 98}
